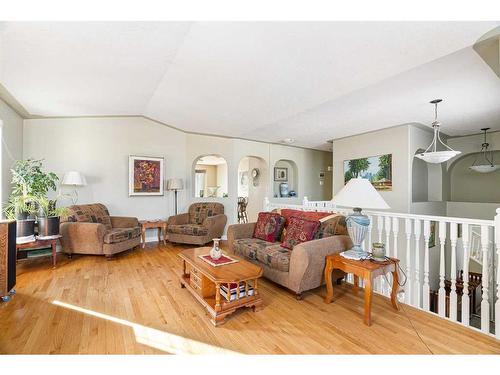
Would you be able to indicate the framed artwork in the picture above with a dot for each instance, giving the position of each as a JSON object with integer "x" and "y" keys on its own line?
{"x": 377, "y": 169}
{"x": 280, "y": 174}
{"x": 145, "y": 175}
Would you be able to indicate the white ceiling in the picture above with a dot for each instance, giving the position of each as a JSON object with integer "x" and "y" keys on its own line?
{"x": 311, "y": 81}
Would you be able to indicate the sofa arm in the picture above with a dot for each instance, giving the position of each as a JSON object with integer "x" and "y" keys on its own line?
{"x": 307, "y": 262}
{"x": 82, "y": 237}
{"x": 215, "y": 225}
{"x": 124, "y": 222}
{"x": 178, "y": 219}
{"x": 238, "y": 231}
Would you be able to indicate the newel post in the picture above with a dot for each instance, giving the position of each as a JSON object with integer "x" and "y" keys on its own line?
{"x": 497, "y": 246}
{"x": 266, "y": 204}
{"x": 305, "y": 202}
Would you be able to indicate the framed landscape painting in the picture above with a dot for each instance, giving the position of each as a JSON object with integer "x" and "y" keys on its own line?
{"x": 145, "y": 175}
{"x": 377, "y": 169}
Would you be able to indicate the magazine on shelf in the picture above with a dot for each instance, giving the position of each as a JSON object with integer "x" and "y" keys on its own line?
{"x": 233, "y": 287}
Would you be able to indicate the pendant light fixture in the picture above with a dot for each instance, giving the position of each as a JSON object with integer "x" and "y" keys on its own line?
{"x": 488, "y": 165}
{"x": 431, "y": 154}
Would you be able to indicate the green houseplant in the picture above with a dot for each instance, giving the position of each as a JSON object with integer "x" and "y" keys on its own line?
{"x": 49, "y": 217}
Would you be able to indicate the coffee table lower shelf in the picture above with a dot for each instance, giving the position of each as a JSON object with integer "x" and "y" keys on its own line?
{"x": 219, "y": 314}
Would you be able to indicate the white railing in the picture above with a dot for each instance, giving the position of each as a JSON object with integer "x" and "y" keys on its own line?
{"x": 427, "y": 247}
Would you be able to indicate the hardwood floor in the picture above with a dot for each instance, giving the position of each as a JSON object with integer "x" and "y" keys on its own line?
{"x": 134, "y": 304}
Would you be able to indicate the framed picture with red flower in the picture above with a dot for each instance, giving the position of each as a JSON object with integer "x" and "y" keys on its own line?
{"x": 145, "y": 175}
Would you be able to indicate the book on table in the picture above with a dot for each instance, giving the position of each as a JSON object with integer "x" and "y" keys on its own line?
{"x": 233, "y": 287}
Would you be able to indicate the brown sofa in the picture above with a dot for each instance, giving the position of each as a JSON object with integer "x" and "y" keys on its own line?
{"x": 89, "y": 229}
{"x": 300, "y": 269}
{"x": 202, "y": 223}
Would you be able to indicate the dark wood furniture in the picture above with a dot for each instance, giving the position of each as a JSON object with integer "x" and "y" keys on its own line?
{"x": 7, "y": 259}
{"x": 366, "y": 270}
{"x": 242, "y": 210}
{"x": 161, "y": 225}
{"x": 41, "y": 243}
{"x": 204, "y": 282}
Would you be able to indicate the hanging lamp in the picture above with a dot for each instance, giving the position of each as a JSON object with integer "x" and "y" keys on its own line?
{"x": 434, "y": 156}
{"x": 488, "y": 166}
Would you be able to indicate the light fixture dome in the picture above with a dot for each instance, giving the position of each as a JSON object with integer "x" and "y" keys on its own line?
{"x": 434, "y": 156}
{"x": 489, "y": 165}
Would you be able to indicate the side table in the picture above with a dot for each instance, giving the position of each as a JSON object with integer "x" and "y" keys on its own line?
{"x": 368, "y": 271}
{"x": 41, "y": 243}
{"x": 161, "y": 225}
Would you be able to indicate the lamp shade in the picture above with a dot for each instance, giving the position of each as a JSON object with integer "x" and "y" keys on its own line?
{"x": 74, "y": 178}
{"x": 175, "y": 184}
{"x": 359, "y": 192}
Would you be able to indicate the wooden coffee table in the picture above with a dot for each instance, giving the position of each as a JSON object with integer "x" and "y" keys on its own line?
{"x": 204, "y": 282}
{"x": 368, "y": 271}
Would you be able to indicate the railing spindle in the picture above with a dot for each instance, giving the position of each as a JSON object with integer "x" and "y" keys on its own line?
{"x": 418, "y": 282}
{"x": 453, "y": 271}
{"x": 442, "y": 270}
{"x": 409, "y": 281}
{"x": 497, "y": 245}
{"x": 485, "y": 304}
{"x": 465, "y": 276}
{"x": 395, "y": 234}
{"x": 426, "y": 287}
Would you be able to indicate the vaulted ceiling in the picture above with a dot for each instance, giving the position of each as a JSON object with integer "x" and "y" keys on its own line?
{"x": 311, "y": 81}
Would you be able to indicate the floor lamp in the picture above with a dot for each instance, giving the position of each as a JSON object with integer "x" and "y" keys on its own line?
{"x": 175, "y": 184}
{"x": 74, "y": 178}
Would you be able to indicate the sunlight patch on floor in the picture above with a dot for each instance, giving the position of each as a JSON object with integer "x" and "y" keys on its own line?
{"x": 155, "y": 338}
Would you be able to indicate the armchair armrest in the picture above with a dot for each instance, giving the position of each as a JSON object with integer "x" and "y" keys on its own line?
{"x": 124, "y": 222}
{"x": 215, "y": 225}
{"x": 237, "y": 231}
{"x": 178, "y": 219}
{"x": 307, "y": 263}
{"x": 82, "y": 237}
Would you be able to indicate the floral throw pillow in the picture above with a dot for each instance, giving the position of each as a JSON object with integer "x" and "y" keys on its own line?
{"x": 299, "y": 230}
{"x": 269, "y": 226}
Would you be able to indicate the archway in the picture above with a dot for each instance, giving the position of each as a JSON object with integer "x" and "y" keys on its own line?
{"x": 210, "y": 178}
{"x": 252, "y": 187}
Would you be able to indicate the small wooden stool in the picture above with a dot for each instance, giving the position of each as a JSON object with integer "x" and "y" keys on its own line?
{"x": 368, "y": 271}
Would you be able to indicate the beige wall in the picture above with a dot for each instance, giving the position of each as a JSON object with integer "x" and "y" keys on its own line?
{"x": 11, "y": 128}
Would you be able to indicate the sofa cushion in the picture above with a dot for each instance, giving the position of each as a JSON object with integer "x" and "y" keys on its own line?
{"x": 188, "y": 229}
{"x": 248, "y": 247}
{"x": 198, "y": 212}
{"x": 275, "y": 256}
{"x": 269, "y": 226}
{"x": 116, "y": 235}
{"x": 299, "y": 230}
{"x": 89, "y": 213}
{"x": 332, "y": 225}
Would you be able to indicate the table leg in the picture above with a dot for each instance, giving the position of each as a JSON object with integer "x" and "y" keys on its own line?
{"x": 217, "y": 297}
{"x": 328, "y": 280}
{"x": 394, "y": 292}
{"x": 164, "y": 234}
{"x": 355, "y": 285}
{"x": 368, "y": 301}
{"x": 54, "y": 254}
{"x": 159, "y": 235}
{"x": 143, "y": 237}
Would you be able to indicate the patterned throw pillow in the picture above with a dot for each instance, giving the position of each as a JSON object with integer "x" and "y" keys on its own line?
{"x": 269, "y": 226}
{"x": 299, "y": 230}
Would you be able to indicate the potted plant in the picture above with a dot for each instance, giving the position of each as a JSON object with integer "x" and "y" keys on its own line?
{"x": 29, "y": 183}
{"x": 49, "y": 217}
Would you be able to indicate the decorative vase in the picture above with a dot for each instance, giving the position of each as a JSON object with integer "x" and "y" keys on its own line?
{"x": 216, "y": 252}
{"x": 357, "y": 227}
{"x": 378, "y": 251}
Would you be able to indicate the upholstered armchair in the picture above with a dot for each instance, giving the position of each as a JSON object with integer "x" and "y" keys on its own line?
{"x": 202, "y": 223}
{"x": 89, "y": 229}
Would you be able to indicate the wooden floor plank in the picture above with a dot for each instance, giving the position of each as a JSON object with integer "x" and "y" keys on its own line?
{"x": 134, "y": 304}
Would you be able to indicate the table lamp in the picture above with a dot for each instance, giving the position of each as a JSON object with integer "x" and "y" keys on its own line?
{"x": 74, "y": 178}
{"x": 175, "y": 184}
{"x": 359, "y": 193}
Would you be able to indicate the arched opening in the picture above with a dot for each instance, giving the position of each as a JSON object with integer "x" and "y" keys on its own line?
{"x": 252, "y": 187}
{"x": 470, "y": 186}
{"x": 210, "y": 178}
{"x": 286, "y": 181}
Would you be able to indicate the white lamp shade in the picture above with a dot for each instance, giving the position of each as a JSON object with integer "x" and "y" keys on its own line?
{"x": 74, "y": 178}
{"x": 175, "y": 184}
{"x": 359, "y": 192}
{"x": 437, "y": 157}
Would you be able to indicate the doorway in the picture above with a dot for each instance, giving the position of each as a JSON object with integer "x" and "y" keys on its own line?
{"x": 252, "y": 188}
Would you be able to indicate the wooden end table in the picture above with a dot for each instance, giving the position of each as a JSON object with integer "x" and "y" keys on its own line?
{"x": 204, "y": 282}
{"x": 161, "y": 225}
{"x": 368, "y": 271}
{"x": 41, "y": 243}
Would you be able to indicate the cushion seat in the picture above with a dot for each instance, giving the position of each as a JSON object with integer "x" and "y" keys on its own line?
{"x": 117, "y": 235}
{"x": 275, "y": 256}
{"x": 248, "y": 247}
{"x": 188, "y": 229}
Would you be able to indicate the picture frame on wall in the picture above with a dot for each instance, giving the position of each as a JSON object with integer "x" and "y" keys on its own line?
{"x": 376, "y": 169}
{"x": 146, "y": 174}
{"x": 280, "y": 174}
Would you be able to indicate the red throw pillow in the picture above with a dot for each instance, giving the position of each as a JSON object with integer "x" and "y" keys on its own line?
{"x": 299, "y": 230}
{"x": 269, "y": 226}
